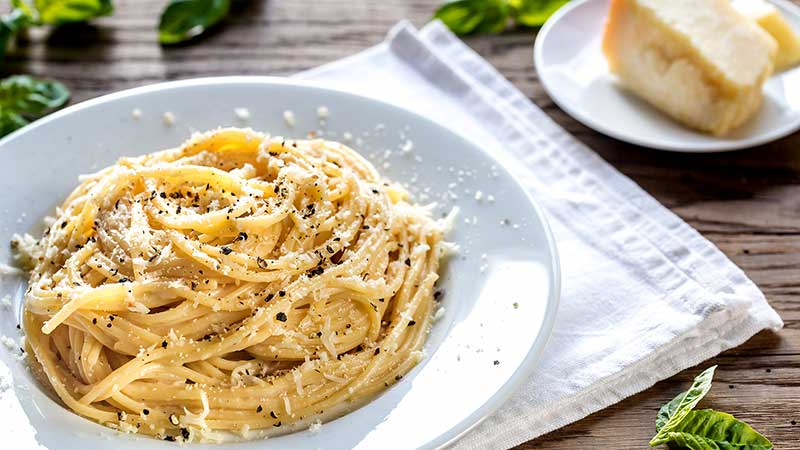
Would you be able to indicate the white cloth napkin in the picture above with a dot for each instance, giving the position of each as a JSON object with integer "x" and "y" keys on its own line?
{"x": 644, "y": 295}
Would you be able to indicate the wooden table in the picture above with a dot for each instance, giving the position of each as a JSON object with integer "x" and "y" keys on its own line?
{"x": 747, "y": 203}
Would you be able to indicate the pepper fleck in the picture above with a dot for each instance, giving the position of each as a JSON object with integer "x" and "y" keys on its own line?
{"x": 281, "y": 316}
{"x": 408, "y": 262}
{"x": 145, "y": 411}
{"x": 226, "y": 250}
{"x": 282, "y": 293}
{"x": 163, "y": 344}
{"x": 272, "y": 414}
{"x": 259, "y": 409}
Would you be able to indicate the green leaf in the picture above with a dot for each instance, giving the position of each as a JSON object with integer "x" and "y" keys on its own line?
{"x": 25, "y": 7}
{"x": 678, "y": 426}
{"x": 59, "y": 12}
{"x": 182, "y": 20}
{"x": 474, "y": 16}
{"x": 10, "y": 24}
{"x": 31, "y": 96}
{"x": 23, "y": 97}
{"x": 667, "y": 411}
{"x": 707, "y": 429}
{"x": 10, "y": 121}
{"x": 688, "y": 400}
{"x": 534, "y": 13}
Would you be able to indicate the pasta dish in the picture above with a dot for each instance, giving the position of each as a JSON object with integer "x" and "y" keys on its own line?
{"x": 238, "y": 282}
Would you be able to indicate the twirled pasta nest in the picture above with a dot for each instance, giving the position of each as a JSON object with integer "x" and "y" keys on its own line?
{"x": 237, "y": 282}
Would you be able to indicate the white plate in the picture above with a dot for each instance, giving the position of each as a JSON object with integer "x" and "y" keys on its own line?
{"x": 452, "y": 390}
{"x": 573, "y": 71}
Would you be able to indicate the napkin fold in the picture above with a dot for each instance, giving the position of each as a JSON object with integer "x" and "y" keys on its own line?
{"x": 644, "y": 295}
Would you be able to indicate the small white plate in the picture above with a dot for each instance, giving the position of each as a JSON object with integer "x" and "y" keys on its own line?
{"x": 573, "y": 71}
{"x": 501, "y": 291}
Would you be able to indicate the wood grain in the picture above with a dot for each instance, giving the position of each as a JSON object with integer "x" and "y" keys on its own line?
{"x": 748, "y": 203}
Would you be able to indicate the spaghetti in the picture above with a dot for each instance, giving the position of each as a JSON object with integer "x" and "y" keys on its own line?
{"x": 236, "y": 283}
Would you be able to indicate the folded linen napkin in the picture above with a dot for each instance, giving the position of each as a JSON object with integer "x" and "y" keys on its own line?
{"x": 644, "y": 295}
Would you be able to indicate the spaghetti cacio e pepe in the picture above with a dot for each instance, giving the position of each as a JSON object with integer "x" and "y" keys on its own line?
{"x": 237, "y": 282}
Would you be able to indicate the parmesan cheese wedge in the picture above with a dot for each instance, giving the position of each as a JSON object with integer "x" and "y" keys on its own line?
{"x": 770, "y": 19}
{"x": 699, "y": 61}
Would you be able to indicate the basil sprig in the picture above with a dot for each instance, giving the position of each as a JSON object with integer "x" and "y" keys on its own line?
{"x": 23, "y": 98}
{"x": 10, "y": 24}
{"x": 60, "y": 12}
{"x": 679, "y": 426}
{"x": 27, "y": 13}
{"x": 492, "y": 16}
{"x": 182, "y": 20}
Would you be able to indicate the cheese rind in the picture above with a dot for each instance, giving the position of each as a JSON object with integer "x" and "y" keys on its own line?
{"x": 770, "y": 19}
{"x": 699, "y": 61}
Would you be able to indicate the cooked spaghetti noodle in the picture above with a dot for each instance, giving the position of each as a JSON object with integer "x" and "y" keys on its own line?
{"x": 236, "y": 283}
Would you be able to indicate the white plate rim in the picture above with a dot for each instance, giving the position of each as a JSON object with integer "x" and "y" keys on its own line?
{"x": 585, "y": 119}
{"x": 528, "y": 364}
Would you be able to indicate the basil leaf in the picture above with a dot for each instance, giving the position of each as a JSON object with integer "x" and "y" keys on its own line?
{"x": 23, "y": 97}
{"x": 689, "y": 399}
{"x": 10, "y": 121}
{"x": 470, "y": 16}
{"x": 9, "y": 25}
{"x": 182, "y": 20}
{"x": 534, "y": 13}
{"x": 667, "y": 411}
{"x": 707, "y": 429}
{"x": 25, "y": 7}
{"x": 58, "y": 12}
{"x": 27, "y": 95}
